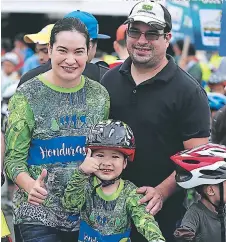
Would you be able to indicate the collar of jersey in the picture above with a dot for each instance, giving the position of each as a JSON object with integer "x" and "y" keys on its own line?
{"x": 108, "y": 197}
{"x": 62, "y": 89}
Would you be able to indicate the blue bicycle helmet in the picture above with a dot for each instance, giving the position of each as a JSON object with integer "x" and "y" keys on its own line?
{"x": 216, "y": 100}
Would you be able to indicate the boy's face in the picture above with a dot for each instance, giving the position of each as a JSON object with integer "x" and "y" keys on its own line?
{"x": 112, "y": 163}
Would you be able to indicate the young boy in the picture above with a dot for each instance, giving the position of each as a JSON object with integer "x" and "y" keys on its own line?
{"x": 108, "y": 204}
{"x": 204, "y": 168}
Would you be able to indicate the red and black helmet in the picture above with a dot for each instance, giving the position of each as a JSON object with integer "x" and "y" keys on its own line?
{"x": 112, "y": 134}
{"x": 202, "y": 165}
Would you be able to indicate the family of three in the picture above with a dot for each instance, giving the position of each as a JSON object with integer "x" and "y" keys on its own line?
{"x": 59, "y": 191}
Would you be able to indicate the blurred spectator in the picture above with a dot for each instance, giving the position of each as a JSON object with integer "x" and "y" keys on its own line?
{"x": 120, "y": 42}
{"x": 190, "y": 63}
{"x": 216, "y": 102}
{"x": 120, "y": 45}
{"x": 215, "y": 61}
{"x": 22, "y": 49}
{"x": 222, "y": 67}
{"x": 9, "y": 74}
{"x": 6, "y": 46}
{"x": 41, "y": 40}
{"x": 218, "y": 134}
{"x": 217, "y": 82}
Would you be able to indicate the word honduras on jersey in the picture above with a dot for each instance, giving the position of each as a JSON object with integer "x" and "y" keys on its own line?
{"x": 47, "y": 128}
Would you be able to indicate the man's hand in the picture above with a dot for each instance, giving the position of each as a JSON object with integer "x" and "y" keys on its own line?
{"x": 90, "y": 164}
{"x": 38, "y": 193}
{"x": 154, "y": 197}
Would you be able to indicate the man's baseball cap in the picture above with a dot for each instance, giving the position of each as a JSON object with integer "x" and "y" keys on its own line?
{"x": 151, "y": 13}
{"x": 121, "y": 32}
{"x": 41, "y": 37}
{"x": 91, "y": 23}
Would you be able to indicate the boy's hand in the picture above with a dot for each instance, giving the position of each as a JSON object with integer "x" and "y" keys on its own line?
{"x": 90, "y": 164}
{"x": 38, "y": 193}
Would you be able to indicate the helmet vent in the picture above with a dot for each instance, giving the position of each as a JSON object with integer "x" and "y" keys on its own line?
{"x": 191, "y": 161}
{"x": 211, "y": 173}
{"x": 220, "y": 151}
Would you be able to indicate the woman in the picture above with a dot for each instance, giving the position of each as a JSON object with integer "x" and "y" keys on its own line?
{"x": 50, "y": 116}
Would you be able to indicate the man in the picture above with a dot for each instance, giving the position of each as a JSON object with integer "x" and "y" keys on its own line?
{"x": 93, "y": 71}
{"x": 190, "y": 63}
{"x": 166, "y": 108}
{"x": 41, "y": 40}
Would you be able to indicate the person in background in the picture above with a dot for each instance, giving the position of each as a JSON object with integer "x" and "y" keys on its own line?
{"x": 218, "y": 128}
{"x": 93, "y": 71}
{"x": 191, "y": 63}
{"x": 203, "y": 168}
{"x": 41, "y": 40}
{"x": 6, "y": 46}
{"x": 215, "y": 61}
{"x": 217, "y": 82}
{"x": 22, "y": 49}
{"x": 9, "y": 74}
{"x": 120, "y": 46}
{"x": 216, "y": 102}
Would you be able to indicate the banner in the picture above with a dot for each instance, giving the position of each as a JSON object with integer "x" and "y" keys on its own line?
{"x": 222, "y": 48}
{"x": 206, "y": 18}
{"x": 181, "y": 19}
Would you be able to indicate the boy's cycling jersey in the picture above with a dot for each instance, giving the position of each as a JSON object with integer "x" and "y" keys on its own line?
{"x": 47, "y": 128}
{"x": 107, "y": 218}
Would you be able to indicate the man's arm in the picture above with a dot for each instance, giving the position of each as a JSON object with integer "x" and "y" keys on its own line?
{"x": 191, "y": 143}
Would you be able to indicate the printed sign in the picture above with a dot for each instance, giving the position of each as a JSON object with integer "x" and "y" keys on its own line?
{"x": 222, "y": 48}
{"x": 206, "y": 14}
{"x": 181, "y": 19}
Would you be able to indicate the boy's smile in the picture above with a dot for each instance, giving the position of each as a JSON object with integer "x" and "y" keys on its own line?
{"x": 112, "y": 163}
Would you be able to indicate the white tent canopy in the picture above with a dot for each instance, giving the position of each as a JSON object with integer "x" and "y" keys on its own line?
{"x": 97, "y": 7}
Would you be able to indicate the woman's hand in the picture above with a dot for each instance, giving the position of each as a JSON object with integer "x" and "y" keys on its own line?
{"x": 90, "y": 164}
{"x": 38, "y": 193}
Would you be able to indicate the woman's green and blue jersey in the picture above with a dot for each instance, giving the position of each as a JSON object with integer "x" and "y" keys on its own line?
{"x": 47, "y": 128}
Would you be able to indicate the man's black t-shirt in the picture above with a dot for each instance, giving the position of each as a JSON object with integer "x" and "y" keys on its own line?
{"x": 163, "y": 112}
{"x": 93, "y": 71}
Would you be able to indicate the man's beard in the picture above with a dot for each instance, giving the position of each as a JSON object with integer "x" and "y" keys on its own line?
{"x": 148, "y": 61}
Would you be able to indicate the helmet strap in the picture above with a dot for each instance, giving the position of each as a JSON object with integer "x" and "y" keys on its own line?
{"x": 105, "y": 183}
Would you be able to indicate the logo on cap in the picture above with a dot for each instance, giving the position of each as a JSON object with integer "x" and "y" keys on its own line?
{"x": 147, "y": 7}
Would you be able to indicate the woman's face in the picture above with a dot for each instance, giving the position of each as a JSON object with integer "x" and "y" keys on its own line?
{"x": 68, "y": 55}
